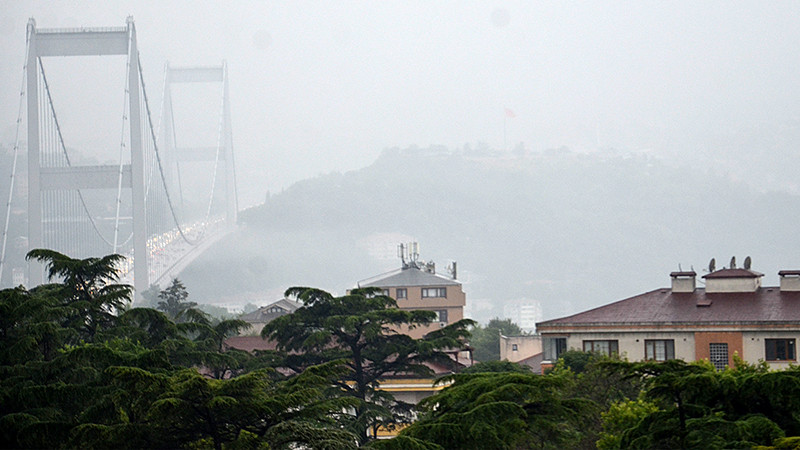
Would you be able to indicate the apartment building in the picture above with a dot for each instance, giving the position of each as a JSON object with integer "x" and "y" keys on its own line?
{"x": 417, "y": 286}
{"x": 732, "y": 315}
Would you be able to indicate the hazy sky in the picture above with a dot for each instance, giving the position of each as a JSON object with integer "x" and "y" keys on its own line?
{"x": 322, "y": 86}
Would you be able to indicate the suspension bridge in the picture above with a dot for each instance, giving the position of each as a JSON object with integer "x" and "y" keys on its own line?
{"x": 160, "y": 204}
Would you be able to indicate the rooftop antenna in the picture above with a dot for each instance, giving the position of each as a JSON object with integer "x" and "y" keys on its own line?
{"x": 451, "y": 269}
{"x": 712, "y": 265}
{"x": 733, "y": 262}
{"x": 401, "y": 252}
{"x": 408, "y": 253}
{"x": 747, "y": 263}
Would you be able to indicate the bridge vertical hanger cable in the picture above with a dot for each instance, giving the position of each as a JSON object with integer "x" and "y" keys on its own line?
{"x": 13, "y": 164}
{"x": 60, "y": 143}
{"x": 216, "y": 156}
{"x": 229, "y": 136}
{"x": 158, "y": 159}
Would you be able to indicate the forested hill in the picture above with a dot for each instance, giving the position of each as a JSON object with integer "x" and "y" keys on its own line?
{"x": 569, "y": 230}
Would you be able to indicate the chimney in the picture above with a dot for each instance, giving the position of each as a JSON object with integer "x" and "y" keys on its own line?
{"x": 790, "y": 280}
{"x": 683, "y": 281}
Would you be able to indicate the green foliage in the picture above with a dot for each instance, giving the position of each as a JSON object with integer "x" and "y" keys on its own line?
{"x": 486, "y": 340}
{"x": 620, "y": 417}
{"x": 500, "y": 410}
{"x": 404, "y": 442}
{"x": 788, "y": 443}
{"x": 78, "y": 370}
{"x": 216, "y": 312}
{"x": 172, "y": 301}
{"x": 597, "y": 380}
{"x": 497, "y": 366}
{"x": 88, "y": 289}
{"x": 360, "y": 329}
{"x": 576, "y": 360}
{"x": 700, "y": 407}
{"x": 150, "y": 296}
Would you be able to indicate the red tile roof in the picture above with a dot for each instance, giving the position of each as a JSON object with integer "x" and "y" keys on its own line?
{"x": 734, "y": 273}
{"x": 534, "y": 362}
{"x": 250, "y": 343}
{"x": 663, "y": 307}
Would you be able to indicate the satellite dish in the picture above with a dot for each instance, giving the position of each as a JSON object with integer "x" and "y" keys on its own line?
{"x": 733, "y": 262}
{"x": 712, "y": 265}
{"x": 747, "y": 263}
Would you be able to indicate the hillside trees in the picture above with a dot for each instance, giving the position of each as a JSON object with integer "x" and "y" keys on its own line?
{"x": 486, "y": 339}
{"x": 360, "y": 328}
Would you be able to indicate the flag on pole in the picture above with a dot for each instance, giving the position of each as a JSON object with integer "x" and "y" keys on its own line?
{"x": 510, "y": 114}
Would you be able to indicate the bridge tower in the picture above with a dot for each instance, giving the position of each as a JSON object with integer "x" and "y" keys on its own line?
{"x": 177, "y": 155}
{"x": 48, "y": 176}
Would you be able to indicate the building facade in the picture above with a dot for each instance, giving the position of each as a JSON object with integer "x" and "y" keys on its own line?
{"x": 732, "y": 315}
{"x": 417, "y": 286}
{"x": 266, "y": 314}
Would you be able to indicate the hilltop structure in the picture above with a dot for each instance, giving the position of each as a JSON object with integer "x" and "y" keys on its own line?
{"x": 732, "y": 315}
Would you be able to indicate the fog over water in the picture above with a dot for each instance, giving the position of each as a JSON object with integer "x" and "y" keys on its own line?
{"x": 320, "y": 87}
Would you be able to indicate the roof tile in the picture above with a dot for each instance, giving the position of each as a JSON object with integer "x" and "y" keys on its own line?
{"x": 662, "y": 306}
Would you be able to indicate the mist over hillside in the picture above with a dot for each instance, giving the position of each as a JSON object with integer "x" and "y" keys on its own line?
{"x": 567, "y": 230}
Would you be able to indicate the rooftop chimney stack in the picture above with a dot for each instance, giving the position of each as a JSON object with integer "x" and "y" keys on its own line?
{"x": 790, "y": 280}
{"x": 683, "y": 281}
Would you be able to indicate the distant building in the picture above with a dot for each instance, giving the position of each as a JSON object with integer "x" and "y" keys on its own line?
{"x": 262, "y": 316}
{"x": 417, "y": 286}
{"x": 525, "y": 350}
{"x": 732, "y": 314}
{"x": 523, "y": 312}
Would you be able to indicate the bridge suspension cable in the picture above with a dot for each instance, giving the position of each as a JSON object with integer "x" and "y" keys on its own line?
{"x": 63, "y": 148}
{"x": 63, "y": 193}
{"x": 13, "y": 164}
{"x": 160, "y": 166}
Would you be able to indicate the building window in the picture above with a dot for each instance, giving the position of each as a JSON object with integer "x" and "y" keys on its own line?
{"x": 514, "y": 347}
{"x": 606, "y": 348}
{"x": 402, "y": 293}
{"x": 441, "y": 315}
{"x": 779, "y": 349}
{"x": 385, "y": 292}
{"x": 434, "y": 293}
{"x": 553, "y": 347}
{"x": 718, "y": 353}
{"x": 659, "y": 350}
